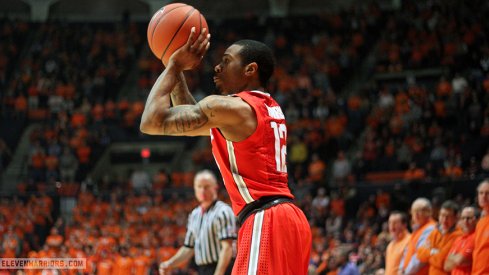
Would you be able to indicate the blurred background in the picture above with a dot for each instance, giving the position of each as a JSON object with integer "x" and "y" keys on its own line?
{"x": 386, "y": 101}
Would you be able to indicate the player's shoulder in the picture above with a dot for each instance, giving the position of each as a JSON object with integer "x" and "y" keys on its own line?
{"x": 225, "y": 110}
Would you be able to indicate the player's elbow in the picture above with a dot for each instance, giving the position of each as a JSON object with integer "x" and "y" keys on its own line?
{"x": 143, "y": 127}
{"x": 147, "y": 128}
{"x": 151, "y": 122}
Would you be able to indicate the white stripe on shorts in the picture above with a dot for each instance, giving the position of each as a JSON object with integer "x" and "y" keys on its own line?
{"x": 255, "y": 243}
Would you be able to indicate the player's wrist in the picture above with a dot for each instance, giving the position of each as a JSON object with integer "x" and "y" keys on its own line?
{"x": 174, "y": 66}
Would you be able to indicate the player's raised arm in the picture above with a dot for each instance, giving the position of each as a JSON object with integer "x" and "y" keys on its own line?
{"x": 157, "y": 109}
{"x": 214, "y": 111}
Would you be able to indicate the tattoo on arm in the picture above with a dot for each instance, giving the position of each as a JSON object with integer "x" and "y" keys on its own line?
{"x": 180, "y": 94}
{"x": 184, "y": 119}
{"x": 211, "y": 112}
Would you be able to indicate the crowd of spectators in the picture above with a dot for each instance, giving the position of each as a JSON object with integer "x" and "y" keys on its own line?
{"x": 135, "y": 228}
{"x": 431, "y": 127}
{"x": 67, "y": 81}
{"x": 433, "y": 34}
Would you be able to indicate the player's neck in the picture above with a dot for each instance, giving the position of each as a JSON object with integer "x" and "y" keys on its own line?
{"x": 253, "y": 85}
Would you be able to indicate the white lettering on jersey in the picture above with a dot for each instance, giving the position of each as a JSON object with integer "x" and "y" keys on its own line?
{"x": 275, "y": 112}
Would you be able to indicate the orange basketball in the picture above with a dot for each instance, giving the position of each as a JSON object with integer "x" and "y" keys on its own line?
{"x": 170, "y": 27}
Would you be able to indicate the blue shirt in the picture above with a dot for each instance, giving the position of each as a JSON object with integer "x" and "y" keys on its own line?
{"x": 349, "y": 269}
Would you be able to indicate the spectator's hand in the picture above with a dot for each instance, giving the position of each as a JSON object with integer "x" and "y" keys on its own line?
{"x": 190, "y": 55}
{"x": 164, "y": 268}
{"x": 434, "y": 251}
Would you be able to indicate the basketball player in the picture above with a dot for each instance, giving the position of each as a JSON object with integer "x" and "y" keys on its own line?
{"x": 248, "y": 136}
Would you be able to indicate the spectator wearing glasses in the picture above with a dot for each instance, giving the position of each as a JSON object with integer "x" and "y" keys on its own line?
{"x": 459, "y": 259}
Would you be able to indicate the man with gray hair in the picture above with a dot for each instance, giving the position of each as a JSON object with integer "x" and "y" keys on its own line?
{"x": 422, "y": 225}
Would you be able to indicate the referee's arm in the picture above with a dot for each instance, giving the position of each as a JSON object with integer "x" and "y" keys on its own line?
{"x": 225, "y": 256}
{"x": 183, "y": 254}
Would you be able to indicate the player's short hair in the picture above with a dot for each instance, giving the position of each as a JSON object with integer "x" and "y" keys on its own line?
{"x": 255, "y": 51}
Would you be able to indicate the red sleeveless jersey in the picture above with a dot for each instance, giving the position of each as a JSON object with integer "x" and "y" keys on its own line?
{"x": 255, "y": 167}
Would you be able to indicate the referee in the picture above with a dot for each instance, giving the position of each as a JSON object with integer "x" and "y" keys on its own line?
{"x": 211, "y": 229}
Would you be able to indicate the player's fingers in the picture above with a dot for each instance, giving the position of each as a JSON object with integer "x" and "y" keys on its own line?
{"x": 202, "y": 36}
{"x": 198, "y": 44}
{"x": 204, "y": 45}
{"x": 191, "y": 38}
{"x": 207, "y": 46}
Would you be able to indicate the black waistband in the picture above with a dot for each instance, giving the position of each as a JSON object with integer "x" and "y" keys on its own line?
{"x": 260, "y": 204}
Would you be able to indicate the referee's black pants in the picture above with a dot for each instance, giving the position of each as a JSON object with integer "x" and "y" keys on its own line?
{"x": 209, "y": 269}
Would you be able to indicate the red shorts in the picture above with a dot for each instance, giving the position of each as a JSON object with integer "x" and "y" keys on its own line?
{"x": 274, "y": 241}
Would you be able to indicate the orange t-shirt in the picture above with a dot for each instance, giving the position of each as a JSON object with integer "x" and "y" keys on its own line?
{"x": 480, "y": 264}
{"x": 442, "y": 243}
{"x": 123, "y": 265}
{"x": 141, "y": 265}
{"x": 394, "y": 252}
{"x": 463, "y": 245}
{"x": 104, "y": 267}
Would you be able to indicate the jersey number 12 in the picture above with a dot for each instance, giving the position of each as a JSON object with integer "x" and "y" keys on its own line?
{"x": 280, "y": 132}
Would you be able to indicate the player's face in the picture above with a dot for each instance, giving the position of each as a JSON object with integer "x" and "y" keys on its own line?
{"x": 483, "y": 195}
{"x": 205, "y": 189}
{"x": 229, "y": 74}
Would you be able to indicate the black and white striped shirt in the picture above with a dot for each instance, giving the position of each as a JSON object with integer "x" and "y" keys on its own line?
{"x": 206, "y": 229}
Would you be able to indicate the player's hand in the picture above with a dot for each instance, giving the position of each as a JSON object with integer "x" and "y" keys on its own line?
{"x": 191, "y": 54}
{"x": 164, "y": 268}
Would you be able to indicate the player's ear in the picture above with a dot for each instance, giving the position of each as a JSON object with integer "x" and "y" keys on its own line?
{"x": 251, "y": 69}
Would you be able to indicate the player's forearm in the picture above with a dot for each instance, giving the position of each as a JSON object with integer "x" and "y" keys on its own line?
{"x": 158, "y": 101}
{"x": 225, "y": 256}
{"x": 181, "y": 94}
